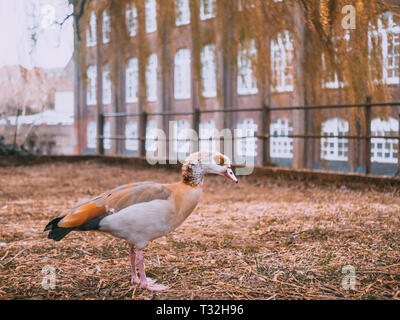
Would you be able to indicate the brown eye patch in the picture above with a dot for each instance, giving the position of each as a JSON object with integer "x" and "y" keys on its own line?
{"x": 220, "y": 160}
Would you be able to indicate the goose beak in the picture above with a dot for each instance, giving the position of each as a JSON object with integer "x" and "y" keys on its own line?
{"x": 230, "y": 175}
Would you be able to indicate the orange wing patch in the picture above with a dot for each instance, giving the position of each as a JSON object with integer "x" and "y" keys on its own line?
{"x": 82, "y": 214}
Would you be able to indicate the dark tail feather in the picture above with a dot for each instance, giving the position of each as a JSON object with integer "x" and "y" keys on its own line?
{"x": 57, "y": 233}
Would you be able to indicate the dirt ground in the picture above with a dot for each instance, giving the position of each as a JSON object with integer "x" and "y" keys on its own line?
{"x": 260, "y": 239}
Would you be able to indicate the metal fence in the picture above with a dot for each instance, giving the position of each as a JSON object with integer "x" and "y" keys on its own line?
{"x": 265, "y": 135}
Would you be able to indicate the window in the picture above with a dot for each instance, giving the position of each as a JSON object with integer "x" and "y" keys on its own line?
{"x": 334, "y": 148}
{"x": 91, "y": 85}
{"x": 246, "y": 81}
{"x": 151, "y": 137}
{"x": 131, "y": 134}
{"x": 206, "y": 136}
{"x": 151, "y": 78}
{"x": 281, "y": 147}
{"x": 107, "y": 135}
{"x": 246, "y": 4}
{"x": 182, "y": 76}
{"x": 151, "y": 16}
{"x": 207, "y": 9}
{"x": 331, "y": 79}
{"x": 282, "y": 62}
{"x": 132, "y": 81}
{"x": 91, "y": 135}
{"x": 131, "y": 19}
{"x": 386, "y": 38}
{"x": 91, "y": 31}
{"x": 106, "y": 85}
{"x": 208, "y": 71}
{"x": 182, "y": 137}
{"x": 246, "y": 142}
{"x": 182, "y": 12}
{"x": 384, "y": 150}
{"x": 106, "y": 27}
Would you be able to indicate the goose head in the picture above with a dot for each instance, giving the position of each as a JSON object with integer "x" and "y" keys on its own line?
{"x": 200, "y": 163}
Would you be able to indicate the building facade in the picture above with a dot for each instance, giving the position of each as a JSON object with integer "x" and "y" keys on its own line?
{"x": 111, "y": 80}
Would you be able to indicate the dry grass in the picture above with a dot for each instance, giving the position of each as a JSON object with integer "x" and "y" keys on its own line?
{"x": 260, "y": 239}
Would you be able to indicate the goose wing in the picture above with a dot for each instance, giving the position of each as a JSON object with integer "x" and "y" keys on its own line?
{"x": 113, "y": 201}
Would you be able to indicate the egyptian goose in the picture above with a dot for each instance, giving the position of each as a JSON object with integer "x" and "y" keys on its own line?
{"x": 143, "y": 211}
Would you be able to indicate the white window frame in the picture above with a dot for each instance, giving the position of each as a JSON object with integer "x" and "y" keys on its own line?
{"x": 207, "y": 136}
{"x": 384, "y": 150}
{"x": 91, "y": 91}
{"x": 131, "y": 15}
{"x": 132, "y": 81}
{"x": 246, "y": 81}
{"x": 132, "y": 133}
{"x": 207, "y": 9}
{"x": 151, "y": 16}
{"x": 151, "y": 78}
{"x": 181, "y": 136}
{"x": 282, "y": 62}
{"x": 182, "y": 74}
{"x": 246, "y": 142}
{"x": 208, "y": 71}
{"x": 91, "y": 135}
{"x": 335, "y": 149}
{"x": 91, "y": 38}
{"x": 106, "y": 90}
{"x": 151, "y": 137}
{"x": 106, "y": 29}
{"x": 182, "y": 12}
{"x": 281, "y": 146}
{"x": 334, "y": 83}
{"x": 382, "y": 33}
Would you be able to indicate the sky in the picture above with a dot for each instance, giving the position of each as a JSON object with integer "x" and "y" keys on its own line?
{"x": 18, "y": 21}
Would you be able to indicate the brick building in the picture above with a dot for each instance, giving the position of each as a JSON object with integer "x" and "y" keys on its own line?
{"x": 172, "y": 87}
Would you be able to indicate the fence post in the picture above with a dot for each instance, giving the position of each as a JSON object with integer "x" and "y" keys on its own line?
{"x": 100, "y": 134}
{"x": 196, "y": 127}
{"x": 142, "y": 133}
{"x": 368, "y": 134}
{"x": 266, "y": 122}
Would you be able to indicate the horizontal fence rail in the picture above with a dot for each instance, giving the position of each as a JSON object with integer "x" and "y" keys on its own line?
{"x": 265, "y": 137}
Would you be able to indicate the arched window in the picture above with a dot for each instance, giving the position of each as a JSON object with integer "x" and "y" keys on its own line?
{"x": 384, "y": 150}
{"x": 246, "y": 142}
{"x": 281, "y": 147}
{"x": 206, "y": 136}
{"x": 208, "y": 71}
{"x": 106, "y": 85}
{"x": 91, "y": 31}
{"x": 182, "y": 12}
{"x": 91, "y": 134}
{"x": 131, "y": 133}
{"x": 386, "y": 38}
{"x": 335, "y": 149}
{"x": 107, "y": 135}
{"x": 151, "y": 16}
{"x": 207, "y": 9}
{"x": 181, "y": 137}
{"x": 91, "y": 85}
{"x": 182, "y": 74}
{"x": 132, "y": 81}
{"x": 106, "y": 27}
{"x": 151, "y": 78}
{"x": 282, "y": 62}
{"x": 246, "y": 81}
{"x": 131, "y": 19}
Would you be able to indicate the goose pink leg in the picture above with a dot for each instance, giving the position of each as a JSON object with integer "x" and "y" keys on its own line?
{"x": 147, "y": 283}
{"x": 135, "y": 279}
